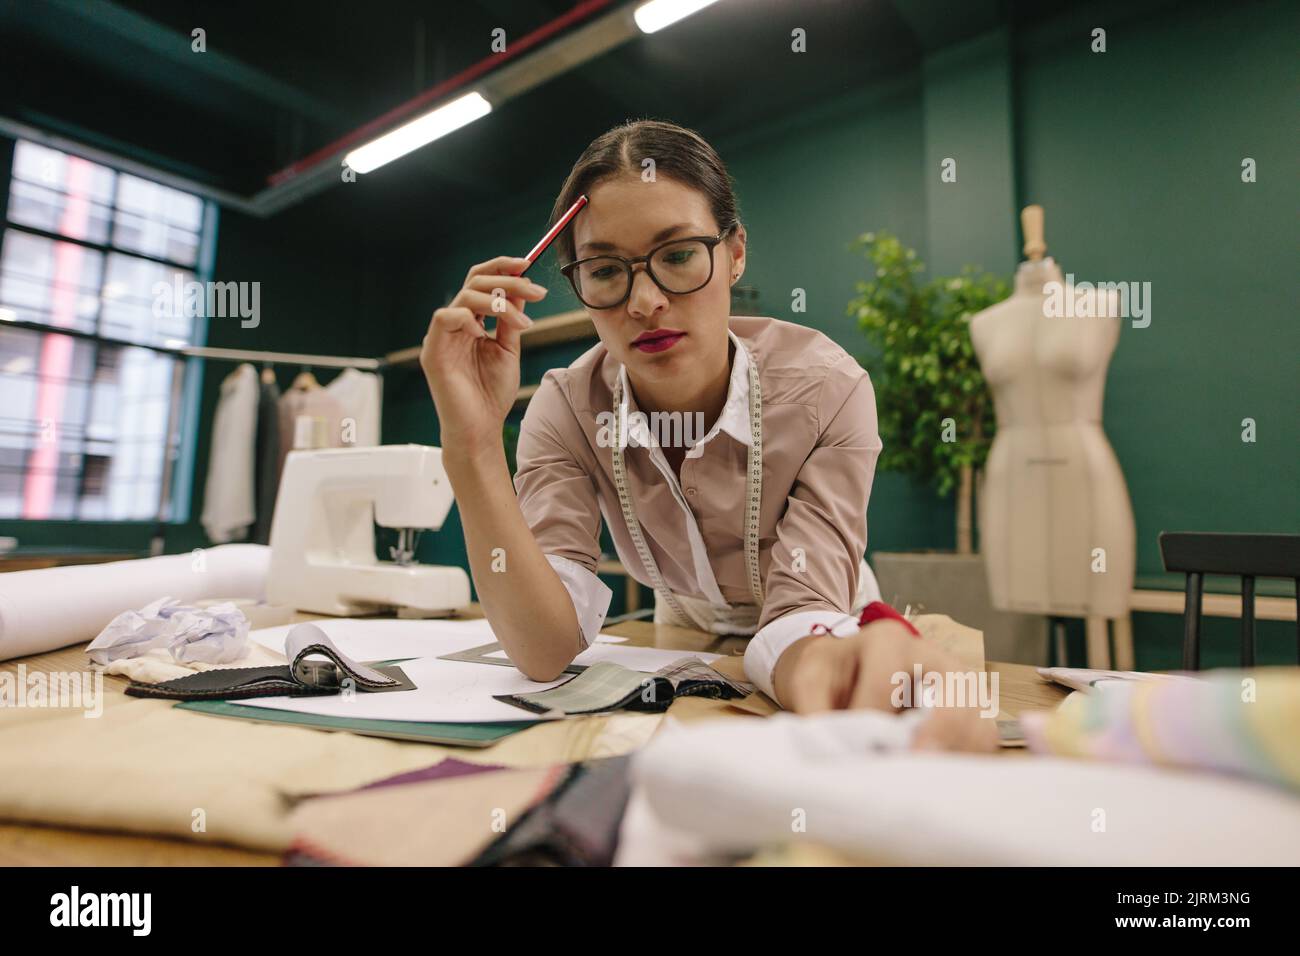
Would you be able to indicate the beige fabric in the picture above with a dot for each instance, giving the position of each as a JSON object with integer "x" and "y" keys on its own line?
{"x": 431, "y": 823}
{"x": 146, "y": 767}
{"x": 965, "y": 644}
{"x": 157, "y": 664}
{"x": 820, "y": 448}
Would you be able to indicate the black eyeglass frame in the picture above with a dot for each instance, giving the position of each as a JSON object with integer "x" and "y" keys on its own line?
{"x": 710, "y": 241}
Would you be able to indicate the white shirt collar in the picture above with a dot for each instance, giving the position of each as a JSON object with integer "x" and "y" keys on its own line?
{"x": 734, "y": 419}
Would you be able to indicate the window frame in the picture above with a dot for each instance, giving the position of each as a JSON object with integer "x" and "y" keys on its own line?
{"x": 180, "y": 436}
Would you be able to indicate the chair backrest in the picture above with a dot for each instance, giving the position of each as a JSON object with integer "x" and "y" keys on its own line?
{"x": 1249, "y": 556}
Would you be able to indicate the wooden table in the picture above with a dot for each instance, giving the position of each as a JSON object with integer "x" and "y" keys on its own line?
{"x": 1020, "y": 689}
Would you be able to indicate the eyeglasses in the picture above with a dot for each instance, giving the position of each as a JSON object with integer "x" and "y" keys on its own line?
{"x": 678, "y": 267}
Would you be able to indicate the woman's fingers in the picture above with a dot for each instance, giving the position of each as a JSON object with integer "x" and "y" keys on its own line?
{"x": 446, "y": 325}
{"x": 502, "y": 265}
{"x": 812, "y": 682}
{"x": 885, "y": 651}
{"x": 509, "y": 313}
{"x": 515, "y": 287}
{"x": 452, "y": 319}
{"x": 507, "y": 291}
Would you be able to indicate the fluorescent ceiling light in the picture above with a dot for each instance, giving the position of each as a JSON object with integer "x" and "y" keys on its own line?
{"x": 418, "y": 132}
{"x": 658, "y": 14}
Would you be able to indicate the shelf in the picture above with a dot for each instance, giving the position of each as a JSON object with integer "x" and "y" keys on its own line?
{"x": 551, "y": 330}
{"x": 526, "y": 393}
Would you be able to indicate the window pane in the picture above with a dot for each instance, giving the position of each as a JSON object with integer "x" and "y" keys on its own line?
{"x": 53, "y": 169}
{"x": 132, "y": 311}
{"x": 84, "y": 423}
{"x": 60, "y": 193}
{"x": 157, "y": 220}
{"x": 53, "y": 211}
{"x": 44, "y": 389}
{"x": 126, "y": 435}
{"x": 54, "y": 283}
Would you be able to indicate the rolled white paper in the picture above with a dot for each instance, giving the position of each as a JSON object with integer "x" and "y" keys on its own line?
{"x": 49, "y": 608}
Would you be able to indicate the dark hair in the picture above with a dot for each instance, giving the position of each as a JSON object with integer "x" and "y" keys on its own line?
{"x": 679, "y": 153}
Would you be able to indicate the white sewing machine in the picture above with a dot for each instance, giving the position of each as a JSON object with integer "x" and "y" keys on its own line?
{"x": 322, "y": 534}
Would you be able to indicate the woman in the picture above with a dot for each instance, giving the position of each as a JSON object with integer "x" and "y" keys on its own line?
{"x": 743, "y": 523}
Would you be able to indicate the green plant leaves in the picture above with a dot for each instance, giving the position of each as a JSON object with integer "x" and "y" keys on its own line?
{"x": 925, "y": 370}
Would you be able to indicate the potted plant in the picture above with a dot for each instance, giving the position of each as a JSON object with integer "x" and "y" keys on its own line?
{"x": 935, "y": 411}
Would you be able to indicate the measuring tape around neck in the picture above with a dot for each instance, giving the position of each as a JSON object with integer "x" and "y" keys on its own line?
{"x": 753, "y": 495}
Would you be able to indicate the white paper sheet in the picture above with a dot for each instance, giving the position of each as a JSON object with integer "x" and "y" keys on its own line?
{"x": 389, "y": 640}
{"x": 446, "y": 692}
{"x": 648, "y": 659}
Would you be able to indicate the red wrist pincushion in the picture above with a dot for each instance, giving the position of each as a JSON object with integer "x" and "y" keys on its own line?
{"x": 879, "y": 610}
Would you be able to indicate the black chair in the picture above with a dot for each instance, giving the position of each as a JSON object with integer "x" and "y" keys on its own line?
{"x": 1248, "y": 555}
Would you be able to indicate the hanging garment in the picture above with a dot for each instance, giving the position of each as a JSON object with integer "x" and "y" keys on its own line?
{"x": 360, "y": 397}
{"x": 309, "y": 418}
{"x": 267, "y": 458}
{"x": 228, "y": 497}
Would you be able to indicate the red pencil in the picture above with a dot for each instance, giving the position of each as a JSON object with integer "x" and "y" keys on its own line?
{"x": 554, "y": 231}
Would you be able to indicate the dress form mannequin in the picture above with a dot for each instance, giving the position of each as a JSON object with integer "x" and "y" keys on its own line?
{"x": 1053, "y": 491}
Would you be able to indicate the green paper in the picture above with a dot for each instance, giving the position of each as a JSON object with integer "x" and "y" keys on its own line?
{"x": 462, "y": 735}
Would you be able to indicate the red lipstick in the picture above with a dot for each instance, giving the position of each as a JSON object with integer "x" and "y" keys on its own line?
{"x": 658, "y": 340}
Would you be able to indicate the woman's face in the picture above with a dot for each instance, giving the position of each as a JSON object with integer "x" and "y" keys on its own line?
{"x": 655, "y": 334}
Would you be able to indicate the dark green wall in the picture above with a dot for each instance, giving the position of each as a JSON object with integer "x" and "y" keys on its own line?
{"x": 1135, "y": 153}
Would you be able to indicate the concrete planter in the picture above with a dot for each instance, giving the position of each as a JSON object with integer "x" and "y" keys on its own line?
{"x": 956, "y": 585}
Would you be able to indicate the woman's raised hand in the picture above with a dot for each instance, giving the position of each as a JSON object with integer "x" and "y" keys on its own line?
{"x": 473, "y": 376}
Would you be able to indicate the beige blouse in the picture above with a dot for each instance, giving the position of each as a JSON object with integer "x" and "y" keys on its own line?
{"x": 820, "y": 446}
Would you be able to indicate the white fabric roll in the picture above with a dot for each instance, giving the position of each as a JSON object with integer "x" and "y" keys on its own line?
{"x": 850, "y": 782}
{"x": 53, "y": 607}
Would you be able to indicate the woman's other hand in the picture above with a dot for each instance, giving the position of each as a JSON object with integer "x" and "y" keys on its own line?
{"x": 472, "y": 375}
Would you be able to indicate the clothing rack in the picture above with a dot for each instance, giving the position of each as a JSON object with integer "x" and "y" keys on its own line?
{"x": 207, "y": 352}
{"x": 204, "y": 352}
{"x": 282, "y": 358}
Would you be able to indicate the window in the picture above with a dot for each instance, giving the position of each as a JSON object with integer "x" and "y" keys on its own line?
{"x": 84, "y": 413}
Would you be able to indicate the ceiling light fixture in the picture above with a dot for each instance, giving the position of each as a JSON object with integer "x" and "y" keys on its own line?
{"x": 418, "y": 132}
{"x": 658, "y": 14}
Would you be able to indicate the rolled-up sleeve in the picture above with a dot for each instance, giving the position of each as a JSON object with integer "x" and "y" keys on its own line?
{"x": 820, "y": 540}
{"x": 558, "y": 499}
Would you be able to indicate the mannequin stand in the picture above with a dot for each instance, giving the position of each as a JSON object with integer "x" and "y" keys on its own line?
{"x": 1099, "y": 638}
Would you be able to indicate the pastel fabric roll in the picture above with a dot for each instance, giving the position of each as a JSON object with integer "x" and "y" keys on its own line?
{"x": 1240, "y": 722}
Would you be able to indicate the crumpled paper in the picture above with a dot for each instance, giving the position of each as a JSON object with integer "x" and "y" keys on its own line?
{"x": 217, "y": 634}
